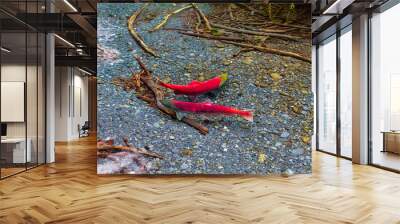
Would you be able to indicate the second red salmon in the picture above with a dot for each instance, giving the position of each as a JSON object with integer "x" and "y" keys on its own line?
{"x": 196, "y": 87}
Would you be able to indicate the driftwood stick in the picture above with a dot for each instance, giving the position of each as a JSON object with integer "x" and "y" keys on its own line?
{"x": 278, "y": 24}
{"x": 135, "y": 35}
{"x": 266, "y": 30}
{"x": 206, "y": 22}
{"x": 230, "y": 12}
{"x": 165, "y": 19}
{"x": 148, "y": 81}
{"x": 129, "y": 148}
{"x": 212, "y": 36}
{"x": 278, "y": 35}
{"x": 289, "y": 25}
{"x": 249, "y": 8}
{"x": 198, "y": 18}
{"x": 271, "y": 51}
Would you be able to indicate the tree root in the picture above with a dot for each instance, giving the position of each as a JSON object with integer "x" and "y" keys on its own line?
{"x": 135, "y": 35}
{"x": 206, "y": 22}
{"x": 211, "y": 36}
{"x": 278, "y": 35}
{"x": 271, "y": 51}
{"x": 165, "y": 19}
{"x": 198, "y": 18}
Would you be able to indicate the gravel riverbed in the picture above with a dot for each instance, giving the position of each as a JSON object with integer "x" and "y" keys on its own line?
{"x": 277, "y": 88}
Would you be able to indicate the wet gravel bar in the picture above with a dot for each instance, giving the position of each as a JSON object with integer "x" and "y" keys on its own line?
{"x": 277, "y": 88}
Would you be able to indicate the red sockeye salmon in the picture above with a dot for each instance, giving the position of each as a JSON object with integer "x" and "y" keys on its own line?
{"x": 208, "y": 108}
{"x": 197, "y": 87}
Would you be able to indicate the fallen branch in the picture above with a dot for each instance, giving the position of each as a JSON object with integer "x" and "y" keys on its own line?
{"x": 242, "y": 50}
{"x": 278, "y": 35}
{"x": 251, "y": 9}
{"x": 135, "y": 35}
{"x": 212, "y": 36}
{"x": 165, "y": 19}
{"x": 207, "y": 23}
{"x": 230, "y": 12}
{"x": 271, "y": 51}
{"x": 289, "y": 25}
{"x": 101, "y": 147}
{"x": 198, "y": 22}
{"x": 266, "y": 30}
{"x": 159, "y": 96}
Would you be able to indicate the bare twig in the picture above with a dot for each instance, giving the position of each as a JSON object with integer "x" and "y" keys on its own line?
{"x": 212, "y": 36}
{"x": 135, "y": 35}
{"x": 198, "y": 22}
{"x": 252, "y": 10}
{"x": 271, "y": 51}
{"x": 230, "y": 12}
{"x": 207, "y": 23}
{"x": 288, "y": 25}
{"x": 249, "y": 8}
{"x": 128, "y": 148}
{"x": 165, "y": 19}
{"x": 278, "y": 35}
{"x": 148, "y": 81}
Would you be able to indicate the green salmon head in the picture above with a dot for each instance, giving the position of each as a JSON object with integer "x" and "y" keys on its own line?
{"x": 167, "y": 103}
{"x": 224, "y": 77}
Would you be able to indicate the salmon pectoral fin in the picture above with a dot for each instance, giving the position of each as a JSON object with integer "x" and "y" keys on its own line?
{"x": 176, "y": 92}
{"x": 214, "y": 93}
{"x": 180, "y": 115}
{"x": 247, "y": 115}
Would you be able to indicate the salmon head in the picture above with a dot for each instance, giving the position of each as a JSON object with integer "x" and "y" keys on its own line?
{"x": 168, "y": 103}
{"x": 224, "y": 78}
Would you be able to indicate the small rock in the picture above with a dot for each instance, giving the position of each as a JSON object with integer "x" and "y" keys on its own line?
{"x": 187, "y": 152}
{"x": 285, "y": 134}
{"x": 226, "y": 62}
{"x": 275, "y": 76}
{"x": 298, "y": 151}
{"x": 296, "y": 109}
{"x": 247, "y": 60}
{"x": 184, "y": 166}
{"x": 261, "y": 157}
{"x": 287, "y": 173}
{"x": 306, "y": 139}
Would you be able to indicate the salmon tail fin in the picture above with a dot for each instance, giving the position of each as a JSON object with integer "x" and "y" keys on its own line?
{"x": 161, "y": 83}
{"x": 168, "y": 86}
{"x": 247, "y": 115}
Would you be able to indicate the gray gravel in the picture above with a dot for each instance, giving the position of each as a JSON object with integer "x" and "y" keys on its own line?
{"x": 282, "y": 124}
